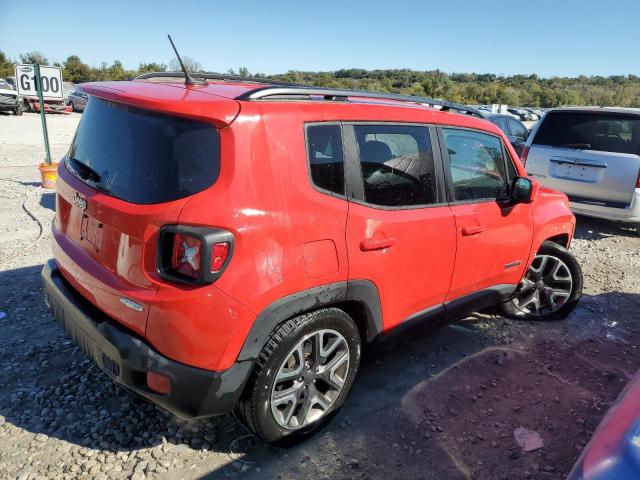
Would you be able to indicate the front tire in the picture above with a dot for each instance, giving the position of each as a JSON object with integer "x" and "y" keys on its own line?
{"x": 551, "y": 287}
{"x": 302, "y": 376}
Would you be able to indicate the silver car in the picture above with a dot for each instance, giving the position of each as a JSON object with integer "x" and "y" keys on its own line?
{"x": 592, "y": 155}
{"x": 77, "y": 100}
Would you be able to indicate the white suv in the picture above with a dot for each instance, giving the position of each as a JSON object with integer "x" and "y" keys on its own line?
{"x": 592, "y": 155}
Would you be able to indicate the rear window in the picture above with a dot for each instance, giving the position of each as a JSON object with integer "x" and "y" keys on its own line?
{"x": 590, "y": 131}
{"x": 141, "y": 156}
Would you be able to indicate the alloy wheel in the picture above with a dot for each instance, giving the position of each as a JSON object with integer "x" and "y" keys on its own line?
{"x": 310, "y": 379}
{"x": 545, "y": 288}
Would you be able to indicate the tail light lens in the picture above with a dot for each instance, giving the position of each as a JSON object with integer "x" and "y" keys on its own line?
{"x": 193, "y": 254}
{"x": 524, "y": 155}
{"x": 185, "y": 255}
{"x": 638, "y": 181}
{"x": 219, "y": 256}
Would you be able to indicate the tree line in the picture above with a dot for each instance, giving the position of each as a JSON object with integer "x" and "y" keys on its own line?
{"x": 468, "y": 88}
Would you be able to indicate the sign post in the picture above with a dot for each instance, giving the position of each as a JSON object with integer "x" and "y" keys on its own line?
{"x": 43, "y": 118}
{"x": 41, "y": 81}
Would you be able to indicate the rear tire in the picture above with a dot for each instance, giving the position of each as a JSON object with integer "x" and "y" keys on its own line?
{"x": 302, "y": 376}
{"x": 73, "y": 107}
{"x": 550, "y": 289}
{"x": 18, "y": 110}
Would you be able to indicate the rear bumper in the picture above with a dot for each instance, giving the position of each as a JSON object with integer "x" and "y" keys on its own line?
{"x": 630, "y": 213}
{"x": 195, "y": 392}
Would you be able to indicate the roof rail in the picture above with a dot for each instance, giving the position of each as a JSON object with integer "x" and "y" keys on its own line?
{"x": 292, "y": 91}
{"x": 215, "y": 76}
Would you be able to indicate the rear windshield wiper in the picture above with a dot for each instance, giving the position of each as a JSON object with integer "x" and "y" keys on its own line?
{"x": 84, "y": 171}
{"x": 579, "y": 146}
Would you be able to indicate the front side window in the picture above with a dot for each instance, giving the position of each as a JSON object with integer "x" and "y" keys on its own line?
{"x": 397, "y": 165}
{"x": 477, "y": 165}
{"x": 324, "y": 151}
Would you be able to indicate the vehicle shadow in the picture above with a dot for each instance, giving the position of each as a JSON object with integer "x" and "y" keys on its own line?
{"x": 590, "y": 228}
{"x": 48, "y": 386}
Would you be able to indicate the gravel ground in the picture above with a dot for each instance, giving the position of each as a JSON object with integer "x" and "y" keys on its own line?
{"x": 445, "y": 404}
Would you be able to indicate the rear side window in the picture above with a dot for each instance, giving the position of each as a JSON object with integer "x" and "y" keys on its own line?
{"x": 518, "y": 129}
{"x": 141, "y": 156}
{"x": 397, "y": 165}
{"x": 324, "y": 150}
{"x": 477, "y": 165}
{"x": 590, "y": 131}
{"x": 501, "y": 122}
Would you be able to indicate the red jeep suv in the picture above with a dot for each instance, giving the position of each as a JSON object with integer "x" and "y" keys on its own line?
{"x": 235, "y": 245}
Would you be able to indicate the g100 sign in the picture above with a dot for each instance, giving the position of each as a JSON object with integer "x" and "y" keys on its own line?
{"x": 27, "y": 83}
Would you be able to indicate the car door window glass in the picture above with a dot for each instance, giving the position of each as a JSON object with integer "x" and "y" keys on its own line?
{"x": 397, "y": 165}
{"x": 477, "y": 165}
{"x": 324, "y": 150}
{"x": 501, "y": 122}
{"x": 517, "y": 129}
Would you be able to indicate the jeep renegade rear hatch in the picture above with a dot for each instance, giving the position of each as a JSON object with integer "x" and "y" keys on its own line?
{"x": 138, "y": 156}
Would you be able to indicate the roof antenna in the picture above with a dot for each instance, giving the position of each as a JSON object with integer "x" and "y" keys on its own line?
{"x": 188, "y": 79}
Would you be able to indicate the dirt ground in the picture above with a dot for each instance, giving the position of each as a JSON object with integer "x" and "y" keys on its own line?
{"x": 440, "y": 406}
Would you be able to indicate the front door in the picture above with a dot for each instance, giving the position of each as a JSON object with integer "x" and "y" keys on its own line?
{"x": 400, "y": 233}
{"x": 493, "y": 235}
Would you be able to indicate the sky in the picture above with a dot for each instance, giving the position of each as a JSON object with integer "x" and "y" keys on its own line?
{"x": 545, "y": 37}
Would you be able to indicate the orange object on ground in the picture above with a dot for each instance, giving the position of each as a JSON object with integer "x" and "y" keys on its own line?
{"x": 49, "y": 175}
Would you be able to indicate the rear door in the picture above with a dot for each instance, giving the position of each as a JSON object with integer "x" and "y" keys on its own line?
{"x": 493, "y": 235}
{"x": 400, "y": 232}
{"x": 590, "y": 156}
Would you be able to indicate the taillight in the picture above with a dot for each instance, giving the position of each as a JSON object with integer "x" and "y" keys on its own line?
{"x": 524, "y": 155}
{"x": 638, "y": 181}
{"x": 219, "y": 256}
{"x": 185, "y": 255}
{"x": 193, "y": 254}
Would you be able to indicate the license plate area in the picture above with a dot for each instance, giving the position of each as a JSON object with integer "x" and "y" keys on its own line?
{"x": 91, "y": 230}
{"x": 579, "y": 172}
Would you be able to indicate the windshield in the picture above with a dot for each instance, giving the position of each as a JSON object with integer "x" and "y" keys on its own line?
{"x": 141, "y": 156}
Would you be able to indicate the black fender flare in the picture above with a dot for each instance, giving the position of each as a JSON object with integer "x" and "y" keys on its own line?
{"x": 363, "y": 292}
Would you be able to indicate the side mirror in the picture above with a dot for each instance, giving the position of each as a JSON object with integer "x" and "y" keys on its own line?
{"x": 523, "y": 190}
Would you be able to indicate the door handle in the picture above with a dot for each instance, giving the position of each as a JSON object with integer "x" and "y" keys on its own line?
{"x": 474, "y": 230}
{"x": 376, "y": 244}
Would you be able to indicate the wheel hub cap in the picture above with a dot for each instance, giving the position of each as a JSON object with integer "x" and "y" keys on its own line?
{"x": 545, "y": 288}
{"x": 310, "y": 379}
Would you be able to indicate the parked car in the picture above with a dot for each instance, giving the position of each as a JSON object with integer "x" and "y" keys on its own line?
{"x": 522, "y": 114}
{"x": 77, "y": 100}
{"x": 613, "y": 453}
{"x": 237, "y": 245}
{"x": 67, "y": 89}
{"x": 514, "y": 129}
{"x": 10, "y": 101}
{"x": 591, "y": 154}
{"x": 534, "y": 116}
{"x": 11, "y": 81}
